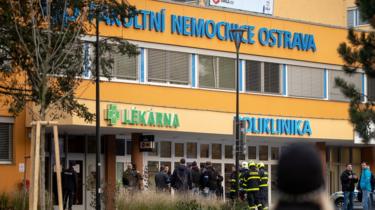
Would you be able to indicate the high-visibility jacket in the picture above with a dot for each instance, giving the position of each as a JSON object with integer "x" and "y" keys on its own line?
{"x": 252, "y": 180}
{"x": 263, "y": 175}
{"x": 232, "y": 182}
{"x": 243, "y": 184}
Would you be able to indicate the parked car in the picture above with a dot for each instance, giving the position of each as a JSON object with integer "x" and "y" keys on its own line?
{"x": 338, "y": 200}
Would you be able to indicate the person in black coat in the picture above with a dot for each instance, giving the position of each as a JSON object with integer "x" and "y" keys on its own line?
{"x": 69, "y": 180}
{"x": 162, "y": 180}
{"x": 348, "y": 180}
{"x": 195, "y": 177}
{"x": 181, "y": 177}
{"x": 300, "y": 179}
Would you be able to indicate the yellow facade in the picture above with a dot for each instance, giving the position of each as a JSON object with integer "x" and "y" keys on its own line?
{"x": 212, "y": 109}
{"x": 331, "y": 12}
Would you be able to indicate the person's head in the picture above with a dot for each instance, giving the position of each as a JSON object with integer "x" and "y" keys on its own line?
{"x": 233, "y": 168}
{"x": 134, "y": 166}
{"x": 166, "y": 169}
{"x": 194, "y": 164}
{"x": 162, "y": 168}
{"x": 245, "y": 165}
{"x": 129, "y": 166}
{"x": 349, "y": 167}
{"x": 182, "y": 161}
{"x": 252, "y": 164}
{"x": 364, "y": 164}
{"x": 208, "y": 164}
{"x": 300, "y": 170}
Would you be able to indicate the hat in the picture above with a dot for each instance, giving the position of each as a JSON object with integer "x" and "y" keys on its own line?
{"x": 244, "y": 164}
{"x": 251, "y": 163}
{"x": 300, "y": 170}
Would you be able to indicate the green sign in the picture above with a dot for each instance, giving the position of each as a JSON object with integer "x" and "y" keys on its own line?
{"x": 139, "y": 117}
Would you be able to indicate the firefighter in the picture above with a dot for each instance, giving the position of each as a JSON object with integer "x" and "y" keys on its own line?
{"x": 232, "y": 181}
{"x": 252, "y": 185}
{"x": 244, "y": 170}
{"x": 263, "y": 186}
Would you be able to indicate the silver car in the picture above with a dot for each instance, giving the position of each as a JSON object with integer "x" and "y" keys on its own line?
{"x": 338, "y": 200}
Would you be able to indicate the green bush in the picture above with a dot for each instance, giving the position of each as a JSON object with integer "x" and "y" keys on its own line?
{"x": 17, "y": 201}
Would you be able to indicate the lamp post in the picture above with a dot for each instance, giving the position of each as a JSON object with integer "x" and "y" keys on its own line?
{"x": 237, "y": 36}
{"x": 97, "y": 101}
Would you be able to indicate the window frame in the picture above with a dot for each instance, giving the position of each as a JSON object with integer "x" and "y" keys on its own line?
{"x": 167, "y": 82}
{"x": 10, "y": 122}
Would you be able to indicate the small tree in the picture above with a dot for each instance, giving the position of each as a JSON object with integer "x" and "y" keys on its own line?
{"x": 41, "y": 56}
{"x": 359, "y": 53}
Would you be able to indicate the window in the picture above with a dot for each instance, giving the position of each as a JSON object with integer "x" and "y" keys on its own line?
{"x": 191, "y": 150}
{"x": 354, "y": 18}
{"x": 6, "y": 139}
{"x": 252, "y": 152}
{"x": 165, "y": 149}
{"x": 305, "y": 81}
{"x": 263, "y": 77}
{"x": 370, "y": 88}
{"x": 120, "y": 147}
{"x": 274, "y": 153}
{"x": 125, "y": 67}
{"x": 216, "y": 72}
{"x": 335, "y": 92}
{"x": 216, "y": 151}
{"x": 156, "y": 150}
{"x": 228, "y": 151}
{"x": 168, "y": 67}
{"x": 179, "y": 149}
{"x": 129, "y": 147}
{"x": 205, "y": 148}
{"x": 263, "y": 152}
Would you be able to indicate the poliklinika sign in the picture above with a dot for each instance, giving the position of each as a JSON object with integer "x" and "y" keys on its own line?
{"x": 140, "y": 117}
{"x": 272, "y": 126}
{"x": 200, "y": 27}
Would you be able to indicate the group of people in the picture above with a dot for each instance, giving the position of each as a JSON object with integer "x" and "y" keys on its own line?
{"x": 205, "y": 181}
{"x": 365, "y": 185}
{"x": 253, "y": 185}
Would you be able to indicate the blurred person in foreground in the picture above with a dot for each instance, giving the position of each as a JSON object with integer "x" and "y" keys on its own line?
{"x": 300, "y": 180}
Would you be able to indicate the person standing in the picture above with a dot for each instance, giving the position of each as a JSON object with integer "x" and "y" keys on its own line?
{"x": 263, "y": 187}
{"x": 195, "y": 177}
{"x": 69, "y": 186}
{"x": 162, "y": 180}
{"x": 232, "y": 182}
{"x": 365, "y": 186}
{"x": 132, "y": 179}
{"x": 251, "y": 179}
{"x": 181, "y": 177}
{"x": 348, "y": 180}
{"x": 243, "y": 170}
{"x": 209, "y": 180}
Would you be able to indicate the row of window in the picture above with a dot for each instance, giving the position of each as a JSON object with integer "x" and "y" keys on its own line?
{"x": 177, "y": 68}
{"x": 214, "y": 151}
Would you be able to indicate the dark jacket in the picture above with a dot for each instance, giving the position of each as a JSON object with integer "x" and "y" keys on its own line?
{"x": 209, "y": 178}
{"x": 346, "y": 182}
{"x": 181, "y": 178}
{"x": 69, "y": 180}
{"x": 195, "y": 176}
{"x": 162, "y": 180}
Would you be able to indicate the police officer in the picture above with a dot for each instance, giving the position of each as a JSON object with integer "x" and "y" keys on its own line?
{"x": 252, "y": 185}
{"x": 263, "y": 186}
{"x": 69, "y": 186}
{"x": 244, "y": 170}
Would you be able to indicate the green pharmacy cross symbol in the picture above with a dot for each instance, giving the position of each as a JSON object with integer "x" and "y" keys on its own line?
{"x": 112, "y": 115}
